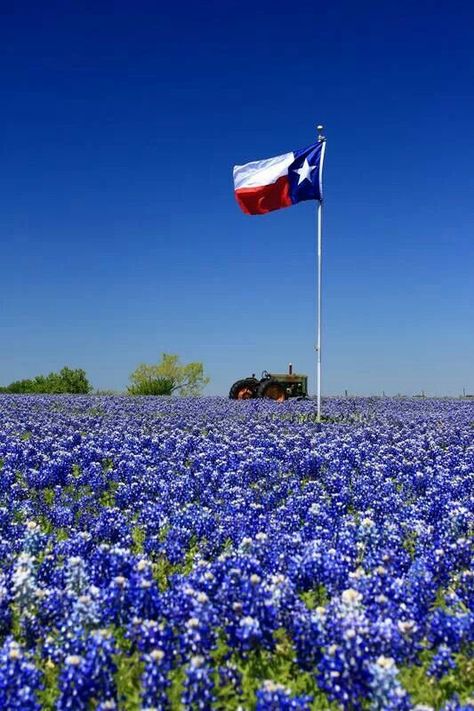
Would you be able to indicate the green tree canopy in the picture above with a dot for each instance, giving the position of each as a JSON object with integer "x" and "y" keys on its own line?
{"x": 68, "y": 380}
{"x": 168, "y": 377}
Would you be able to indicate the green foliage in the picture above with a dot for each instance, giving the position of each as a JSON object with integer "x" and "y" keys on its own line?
{"x": 49, "y": 695}
{"x": 138, "y": 538}
{"x": 317, "y": 597}
{"x": 278, "y": 665}
{"x": 129, "y": 670}
{"x": 434, "y": 692}
{"x": 67, "y": 381}
{"x": 151, "y": 386}
{"x": 168, "y": 377}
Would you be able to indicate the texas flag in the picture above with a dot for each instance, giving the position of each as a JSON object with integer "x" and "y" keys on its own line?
{"x": 266, "y": 185}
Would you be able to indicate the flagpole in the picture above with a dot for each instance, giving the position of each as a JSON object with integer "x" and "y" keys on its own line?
{"x": 321, "y": 139}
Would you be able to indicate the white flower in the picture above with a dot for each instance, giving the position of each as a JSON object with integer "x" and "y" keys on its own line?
{"x": 385, "y": 662}
{"x": 351, "y": 596}
{"x": 73, "y": 659}
{"x": 406, "y": 626}
{"x": 272, "y": 686}
{"x": 197, "y": 661}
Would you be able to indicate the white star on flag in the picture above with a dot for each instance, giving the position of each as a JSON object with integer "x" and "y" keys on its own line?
{"x": 305, "y": 171}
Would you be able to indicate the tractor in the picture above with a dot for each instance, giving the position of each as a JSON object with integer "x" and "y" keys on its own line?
{"x": 275, "y": 386}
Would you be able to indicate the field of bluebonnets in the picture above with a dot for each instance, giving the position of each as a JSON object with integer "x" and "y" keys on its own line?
{"x": 204, "y": 553}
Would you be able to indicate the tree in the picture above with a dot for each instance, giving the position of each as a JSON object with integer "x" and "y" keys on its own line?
{"x": 69, "y": 381}
{"x": 168, "y": 377}
{"x": 66, "y": 381}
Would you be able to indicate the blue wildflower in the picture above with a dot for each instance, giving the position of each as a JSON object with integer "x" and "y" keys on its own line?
{"x": 20, "y": 681}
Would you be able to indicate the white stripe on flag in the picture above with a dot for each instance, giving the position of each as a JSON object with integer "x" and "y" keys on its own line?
{"x": 262, "y": 172}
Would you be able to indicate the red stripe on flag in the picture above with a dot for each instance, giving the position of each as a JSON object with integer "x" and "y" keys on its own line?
{"x": 265, "y": 198}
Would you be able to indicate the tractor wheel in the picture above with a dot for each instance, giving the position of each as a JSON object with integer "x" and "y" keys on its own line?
{"x": 273, "y": 390}
{"x": 244, "y": 389}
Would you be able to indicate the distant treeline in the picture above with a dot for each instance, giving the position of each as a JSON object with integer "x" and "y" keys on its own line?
{"x": 68, "y": 380}
{"x": 168, "y": 377}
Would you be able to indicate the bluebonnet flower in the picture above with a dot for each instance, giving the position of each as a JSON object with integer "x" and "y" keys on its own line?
{"x": 85, "y": 609}
{"x": 74, "y": 685}
{"x": 198, "y": 636}
{"x": 100, "y": 651}
{"x": 34, "y": 540}
{"x": 20, "y": 681}
{"x": 154, "y": 680}
{"x": 90, "y": 675}
{"x": 276, "y": 697}
{"x": 5, "y": 610}
{"x": 150, "y": 635}
{"x": 442, "y": 662}
{"x": 387, "y": 692}
{"x": 451, "y": 629}
{"x": 76, "y": 576}
{"x": 343, "y": 669}
{"x": 249, "y": 632}
{"x": 186, "y": 516}
{"x": 116, "y": 601}
{"x": 111, "y": 526}
{"x": 24, "y": 582}
{"x": 198, "y": 685}
{"x": 145, "y": 597}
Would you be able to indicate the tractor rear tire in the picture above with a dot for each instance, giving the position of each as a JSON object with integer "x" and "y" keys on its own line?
{"x": 273, "y": 390}
{"x": 244, "y": 389}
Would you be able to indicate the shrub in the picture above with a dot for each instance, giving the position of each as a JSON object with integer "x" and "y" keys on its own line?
{"x": 152, "y": 386}
{"x": 168, "y": 377}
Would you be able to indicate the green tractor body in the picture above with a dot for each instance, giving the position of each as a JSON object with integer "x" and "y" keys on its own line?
{"x": 275, "y": 386}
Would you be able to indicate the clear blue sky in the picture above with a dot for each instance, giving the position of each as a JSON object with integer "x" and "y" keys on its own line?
{"x": 120, "y": 236}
